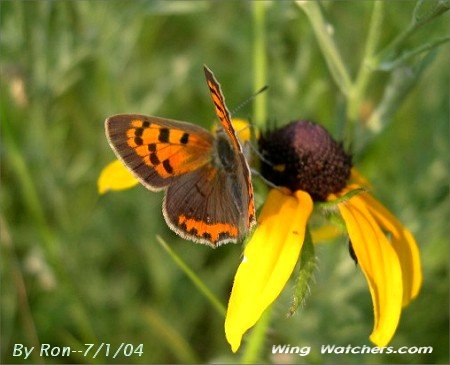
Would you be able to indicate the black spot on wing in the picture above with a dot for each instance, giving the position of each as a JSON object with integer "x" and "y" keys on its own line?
{"x": 154, "y": 159}
{"x": 164, "y": 134}
{"x": 184, "y": 138}
{"x": 167, "y": 166}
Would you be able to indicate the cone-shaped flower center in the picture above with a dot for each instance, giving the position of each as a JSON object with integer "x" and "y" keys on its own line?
{"x": 303, "y": 156}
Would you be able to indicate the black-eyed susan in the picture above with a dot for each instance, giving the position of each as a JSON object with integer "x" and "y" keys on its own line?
{"x": 312, "y": 167}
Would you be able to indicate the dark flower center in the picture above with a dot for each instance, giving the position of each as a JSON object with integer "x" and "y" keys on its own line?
{"x": 303, "y": 156}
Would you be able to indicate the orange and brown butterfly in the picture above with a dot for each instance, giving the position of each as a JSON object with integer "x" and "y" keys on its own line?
{"x": 209, "y": 193}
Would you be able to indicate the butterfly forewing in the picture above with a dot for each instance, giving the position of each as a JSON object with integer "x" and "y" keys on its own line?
{"x": 158, "y": 150}
{"x": 244, "y": 176}
{"x": 221, "y": 108}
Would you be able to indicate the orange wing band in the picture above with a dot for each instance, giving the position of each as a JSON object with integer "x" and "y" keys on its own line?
{"x": 211, "y": 231}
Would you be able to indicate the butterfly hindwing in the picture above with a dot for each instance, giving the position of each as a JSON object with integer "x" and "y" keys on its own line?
{"x": 158, "y": 150}
{"x": 205, "y": 206}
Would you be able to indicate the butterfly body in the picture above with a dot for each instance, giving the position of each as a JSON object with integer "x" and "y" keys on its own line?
{"x": 209, "y": 194}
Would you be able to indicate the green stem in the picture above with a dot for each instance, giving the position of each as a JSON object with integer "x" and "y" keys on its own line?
{"x": 396, "y": 43}
{"x": 169, "y": 335}
{"x": 328, "y": 46}
{"x": 401, "y": 81}
{"x": 194, "y": 278}
{"x": 406, "y": 56}
{"x": 259, "y": 61}
{"x": 366, "y": 68}
{"x": 256, "y": 339}
{"x": 417, "y": 22}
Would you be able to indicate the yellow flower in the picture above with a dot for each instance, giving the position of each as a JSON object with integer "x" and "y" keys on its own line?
{"x": 304, "y": 158}
{"x": 316, "y": 170}
{"x": 115, "y": 176}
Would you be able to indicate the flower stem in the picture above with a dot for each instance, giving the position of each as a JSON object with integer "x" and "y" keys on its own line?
{"x": 256, "y": 339}
{"x": 366, "y": 68}
{"x": 326, "y": 42}
{"x": 194, "y": 278}
{"x": 407, "y": 55}
{"x": 259, "y": 61}
{"x": 420, "y": 18}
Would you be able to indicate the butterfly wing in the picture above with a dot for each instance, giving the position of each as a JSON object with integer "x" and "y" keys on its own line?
{"x": 204, "y": 206}
{"x": 204, "y": 202}
{"x": 221, "y": 108}
{"x": 243, "y": 176}
{"x": 158, "y": 150}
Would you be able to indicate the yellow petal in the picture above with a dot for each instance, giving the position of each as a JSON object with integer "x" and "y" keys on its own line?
{"x": 115, "y": 176}
{"x": 268, "y": 262}
{"x": 242, "y": 128}
{"x": 380, "y": 265}
{"x": 404, "y": 244}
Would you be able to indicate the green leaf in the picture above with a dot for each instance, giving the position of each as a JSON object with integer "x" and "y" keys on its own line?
{"x": 308, "y": 263}
{"x": 427, "y": 10}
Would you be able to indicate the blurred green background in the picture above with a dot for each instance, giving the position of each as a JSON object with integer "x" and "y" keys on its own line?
{"x": 81, "y": 268}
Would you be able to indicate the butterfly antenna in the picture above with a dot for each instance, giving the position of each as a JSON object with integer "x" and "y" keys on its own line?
{"x": 252, "y": 147}
{"x": 245, "y": 102}
{"x": 260, "y": 155}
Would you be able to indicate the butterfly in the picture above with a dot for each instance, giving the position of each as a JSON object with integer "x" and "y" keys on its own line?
{"x": 207, "y": 181}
